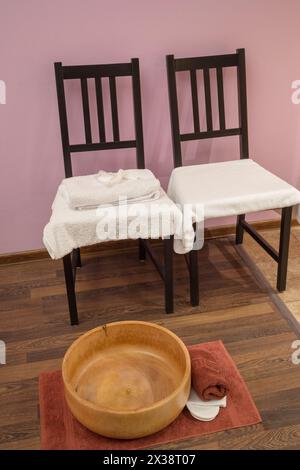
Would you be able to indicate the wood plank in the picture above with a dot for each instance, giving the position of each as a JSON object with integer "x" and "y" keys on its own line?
{"x": 208, "y": 110}
{"x": 114, "y": 108}
{"x": 193, "y": 78}
{"x": 221, "y": 98}
{"x": 100, "y": 109}
{"x": 86, "y": 110}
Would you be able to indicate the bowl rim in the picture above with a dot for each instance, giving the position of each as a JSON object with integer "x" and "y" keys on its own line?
{"x": 186, "y": 375}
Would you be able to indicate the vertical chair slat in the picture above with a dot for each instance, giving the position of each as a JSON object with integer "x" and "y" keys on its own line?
{"x": 59, "y": 76}
{"x": 221, "y": 98}
{"x": 174, "y": 111}
{"x": 193, "y": 78}
{"x": 114, "y": 108}
{"x": 86, "y": 110}
{"x": 100, "y": 109}
{"x": 137, "y": 107}
{"x": 207, "y": 99}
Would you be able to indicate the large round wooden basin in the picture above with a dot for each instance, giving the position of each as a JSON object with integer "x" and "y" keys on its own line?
{"x": 127, "y": 379}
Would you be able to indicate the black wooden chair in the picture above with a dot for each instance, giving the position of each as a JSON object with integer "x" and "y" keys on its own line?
{"x": 284, "y": 196}
{"x": 97, "y": 72}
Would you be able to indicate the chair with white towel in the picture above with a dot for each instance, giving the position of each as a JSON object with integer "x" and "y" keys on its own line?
{"x": 71, "y": 228}
{"x": 229, "y": 188}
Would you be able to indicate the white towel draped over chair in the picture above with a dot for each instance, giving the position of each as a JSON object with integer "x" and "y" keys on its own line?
{"x": 69, "y": 229}
{"x": 229, "y": 188}
{"x": 128, "y": 204}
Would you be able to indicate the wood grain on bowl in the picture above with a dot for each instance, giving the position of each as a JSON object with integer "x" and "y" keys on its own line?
{"x": 127, "y": 379}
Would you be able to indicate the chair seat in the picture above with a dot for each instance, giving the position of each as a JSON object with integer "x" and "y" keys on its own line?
{"x": 69, "y": 229}
{"x": 230, "y": 188}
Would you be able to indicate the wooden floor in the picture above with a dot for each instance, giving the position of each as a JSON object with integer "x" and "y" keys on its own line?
{"x": 236, "y": 307}
{"x": 291, "y": 297}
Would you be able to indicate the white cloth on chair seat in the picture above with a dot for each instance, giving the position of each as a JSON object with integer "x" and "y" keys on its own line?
{"x": 230, "y": 188}
{"x": 69, "y": 229}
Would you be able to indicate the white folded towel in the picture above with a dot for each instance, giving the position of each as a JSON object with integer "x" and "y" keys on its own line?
{"x": 87, "y": 192}
{"x": 123, "y": 200}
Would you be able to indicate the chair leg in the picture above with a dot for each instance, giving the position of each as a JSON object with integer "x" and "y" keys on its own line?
{"x": 194, "y": 277}
{"x": 285, "y": 230}
{"x": 78, "y": 258}
{"x": 70, "y": 286}
{"x": 168, "y": 269}
{"x": 142, "y": 250}
{"x": 239, "y": 229}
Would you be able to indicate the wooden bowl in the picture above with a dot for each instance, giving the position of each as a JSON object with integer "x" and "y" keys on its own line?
{"x": 127, "y": 379}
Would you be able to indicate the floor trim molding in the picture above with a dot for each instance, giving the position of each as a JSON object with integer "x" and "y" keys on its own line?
{"x": 214, "y": 232}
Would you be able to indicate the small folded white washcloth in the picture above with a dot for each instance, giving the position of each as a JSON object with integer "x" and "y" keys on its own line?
{"x": 124, "y": 186}
{"x": 110, "y": 178}
{"x": 204, "y": 410}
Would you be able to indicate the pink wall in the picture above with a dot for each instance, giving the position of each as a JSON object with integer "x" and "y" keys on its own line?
{"x": 35, "y": 33}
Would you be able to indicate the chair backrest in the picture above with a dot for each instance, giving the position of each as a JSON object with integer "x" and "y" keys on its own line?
{"x": 97, "y": 72}
{"x": 191, "y": 65}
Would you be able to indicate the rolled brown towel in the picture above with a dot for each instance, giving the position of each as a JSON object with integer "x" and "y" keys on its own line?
{"x": 207, "y": 379}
